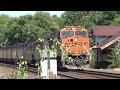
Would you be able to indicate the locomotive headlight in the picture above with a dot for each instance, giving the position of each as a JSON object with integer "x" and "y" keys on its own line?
{"x": 76, "y": 39}
{"x": 83, "y": 51}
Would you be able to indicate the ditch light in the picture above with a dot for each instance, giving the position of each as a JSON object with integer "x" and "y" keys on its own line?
{"x": 76, "y": 39}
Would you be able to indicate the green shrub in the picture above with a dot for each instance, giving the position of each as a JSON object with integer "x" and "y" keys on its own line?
{"x": 114, "y": 58}
{"x": 92, "y": 59}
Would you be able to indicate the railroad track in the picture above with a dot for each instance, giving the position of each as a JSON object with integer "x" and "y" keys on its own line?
{"x": 66, "y": 76}
{"x": 31, "y": 69}
{"x": 98, "y": 74}
{"x": 103, "y": 75}
{"x": 74, "y": 73}
{"x": 34, "y": 70}
{"x": 8, "y": 65}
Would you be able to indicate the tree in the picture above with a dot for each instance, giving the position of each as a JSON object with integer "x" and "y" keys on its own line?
{"x": 3, "y": 20}
{"x": 46, "y": 23}
{"x": 27, "y": 28}
{"x": 116, "y": 21}
{"x": 114, "y": 58}
{"x": 108, "y": 17}
{"x": 73, "y": 17}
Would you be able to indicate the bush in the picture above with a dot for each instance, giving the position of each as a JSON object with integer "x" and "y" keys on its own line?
{"x": 114, "y": 58}
{"x": 92, "y": 59}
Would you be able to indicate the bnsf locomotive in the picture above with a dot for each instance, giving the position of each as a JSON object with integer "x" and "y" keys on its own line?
{"x": 75, "y": 40}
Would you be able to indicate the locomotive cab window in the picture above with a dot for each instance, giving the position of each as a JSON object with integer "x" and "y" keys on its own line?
{"x": 80, "y": 33}
{"x": 66, "y": 34}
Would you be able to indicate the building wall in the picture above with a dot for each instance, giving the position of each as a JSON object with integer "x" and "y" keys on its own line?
{"x": 100, "y": 58}
{"x": 100, "y": 39}
{"x": 118, "y": 44}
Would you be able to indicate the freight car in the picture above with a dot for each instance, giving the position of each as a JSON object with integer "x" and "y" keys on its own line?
{"x": 76, "y": 43}
{"x": 26, "y": 50}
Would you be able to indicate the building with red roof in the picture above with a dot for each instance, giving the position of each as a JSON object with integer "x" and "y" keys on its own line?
{"x": 106, "y": 38}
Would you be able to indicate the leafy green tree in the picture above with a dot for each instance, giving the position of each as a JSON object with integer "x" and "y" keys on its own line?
{"x": 3, "y": 20}
{"x": 116, "y": 21}
{"x": 27, "y": 28}
{"x": 108, "y": 17}
{"x": 73, "y": 17}
{"x": 114, "y": 58}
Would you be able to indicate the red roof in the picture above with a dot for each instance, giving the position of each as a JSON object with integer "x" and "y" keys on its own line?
{"x": 106, "y": 30}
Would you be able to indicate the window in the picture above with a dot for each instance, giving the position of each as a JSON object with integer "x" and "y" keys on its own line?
{"x": 81, "y": 33}
{"x": 66, "y": 34}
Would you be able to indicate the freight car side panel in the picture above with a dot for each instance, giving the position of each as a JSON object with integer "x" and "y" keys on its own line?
{"x": 28, "y": 53}
{"x": 14, "y": 52}
{"x": 4, "y": 52}
{"x": 20, "y": 51}
{"x": 0, "y": 52}
{"x": 8, "y": 52}
{"x": 36, "y": 53}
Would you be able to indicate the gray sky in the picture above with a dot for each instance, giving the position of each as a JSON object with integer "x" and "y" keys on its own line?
{"x": 20, "y": 13}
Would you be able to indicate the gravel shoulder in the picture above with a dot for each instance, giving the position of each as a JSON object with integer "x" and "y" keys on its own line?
{"x": 11, "y": 71}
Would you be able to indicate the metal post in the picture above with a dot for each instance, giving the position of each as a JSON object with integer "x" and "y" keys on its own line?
{"x": 48, "y": 58}
{"x": 97, "y": 56}
{"x": 48, "y": 64}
